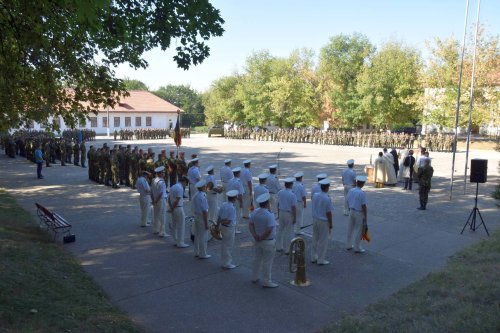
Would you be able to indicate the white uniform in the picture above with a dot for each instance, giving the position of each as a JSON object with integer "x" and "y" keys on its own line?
{"x": 274, "y": 187}
{"x": 348, "y": 179}
{"x": 235, "y": 184}
{"x": 286, "y": 202}
{"x": 356, "y": 198}
{"x": 300, "y": 193}
{"x": 264, "y": 250}
{"x": 194, "y": 176}
{"x": 160, "y": 209}
{"x": 322, "y": 204}
{"x": 246, "y": 176}
{"x": 212, "y": 198}
{"x": 226, "y": 174}
{"x": 200, "y": 205}
{"x": 178, "y": 215}
{"x": 257, "y": 191}
{"x": 227, "y": 211}
{"x": 144, "y": 199}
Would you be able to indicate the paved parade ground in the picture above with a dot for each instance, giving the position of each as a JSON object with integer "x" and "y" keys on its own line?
{"x": 166, "y": 289}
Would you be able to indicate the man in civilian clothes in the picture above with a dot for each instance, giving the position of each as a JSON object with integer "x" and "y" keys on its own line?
{"x": 322, "y": 210}
{"x": 262, "y": 226}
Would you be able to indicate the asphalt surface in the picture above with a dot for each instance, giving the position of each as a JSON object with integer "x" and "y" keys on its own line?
{"x": 165, "y": 289}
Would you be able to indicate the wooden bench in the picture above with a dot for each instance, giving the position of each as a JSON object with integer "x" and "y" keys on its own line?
{"x": 55, "y": 223}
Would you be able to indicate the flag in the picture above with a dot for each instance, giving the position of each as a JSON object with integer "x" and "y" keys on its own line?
{"x": 177, "y": 131}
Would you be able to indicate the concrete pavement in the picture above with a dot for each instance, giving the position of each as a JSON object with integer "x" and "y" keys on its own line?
{"x": 165, "y": 289}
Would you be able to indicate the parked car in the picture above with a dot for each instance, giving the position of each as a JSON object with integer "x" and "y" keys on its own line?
{"x": 216, "y": 130}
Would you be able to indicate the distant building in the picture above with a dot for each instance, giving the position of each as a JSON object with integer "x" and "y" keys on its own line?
{"x": 141, "y": 109}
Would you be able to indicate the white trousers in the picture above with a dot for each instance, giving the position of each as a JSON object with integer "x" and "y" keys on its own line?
{"x": 263, "y": 259}
{"x": 247, "y": 199}
{"x": 178, "y": 223}
{"x": 200, "y": 236}
{"x": 224, "y": 190}
{"x": 145, "y": 204}
{"x": 347, "y": 188}
{"x": 285, "y": 231}
{"x": 300, "y": 216}
{"x": 159, "y": 217}
{"x": 192, "y": 191}
{"x": 354, "y": 229}
{"x": 213, "y": 206}
{"x": 227, "y": 245}
{"x": 273, "y": 202}
{"x": 320, "y": 239}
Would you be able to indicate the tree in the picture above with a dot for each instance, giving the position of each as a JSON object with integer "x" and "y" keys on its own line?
{"x": 441, "y": 79}
{"x": 340, "y": 64}
{"x": 221, "y": 101}
{"x": 188, "y": 100}
{"x": 131, "y": 84}
{"x": 390, "y": 87}
{"x": 48, "y": 46}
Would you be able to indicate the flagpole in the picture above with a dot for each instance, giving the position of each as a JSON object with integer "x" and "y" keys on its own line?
{"x": 178, "y": 120}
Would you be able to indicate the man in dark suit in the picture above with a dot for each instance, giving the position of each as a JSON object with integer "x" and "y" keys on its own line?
{"x": 408, "y": 164}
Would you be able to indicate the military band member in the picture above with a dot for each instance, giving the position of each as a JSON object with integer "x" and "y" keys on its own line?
{"x": 226, "y": 174}
{"x": 261, "y": 188}
{"x": 349, "y": 182}
{"x": 262, "y": 226}
{"x": 212, "y": 190}
{"x": 201, "y": 209}
{"x": 287, "y": 214}
{"x": 246, "y": 180}
{"x": 227, "y": 221}
{"x": 273, "y": 185}
{"x": 317, "y": 187}
{"x": 159, "y": 196}
{"x": 235, "y": 184}
{"x": 176, "y": 207}
{"x": 194, "y": 176}
{"x": 322, "y": 210}
{"x": 358, "y": 215}
{"x": 144, "y": 197}
{"x": 300, "y": 193}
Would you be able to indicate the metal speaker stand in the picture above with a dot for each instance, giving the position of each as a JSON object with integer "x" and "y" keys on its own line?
{"x": 473, "y": 216}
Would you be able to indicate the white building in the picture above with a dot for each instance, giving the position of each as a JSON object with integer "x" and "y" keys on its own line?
{"x": 141, "y": 109}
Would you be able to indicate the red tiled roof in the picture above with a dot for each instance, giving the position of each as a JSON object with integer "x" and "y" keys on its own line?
{"x": 144, "y": 101}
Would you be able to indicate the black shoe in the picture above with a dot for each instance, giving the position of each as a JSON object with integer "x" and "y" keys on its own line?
{"x": 421, "y": 208}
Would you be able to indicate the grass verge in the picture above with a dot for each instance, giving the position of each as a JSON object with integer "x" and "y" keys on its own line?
{"x": 42, "y": 287}
{"x": 463, "y": 297}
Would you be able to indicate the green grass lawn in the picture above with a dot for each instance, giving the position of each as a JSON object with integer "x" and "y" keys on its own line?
{"x": 43, "y": 288}
{"x": 463, "y": 297}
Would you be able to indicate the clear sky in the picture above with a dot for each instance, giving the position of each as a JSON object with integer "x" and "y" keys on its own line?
{"x": 280, "y": 26}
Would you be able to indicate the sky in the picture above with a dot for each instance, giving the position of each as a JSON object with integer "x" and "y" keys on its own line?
{"x": 281, "y": 26}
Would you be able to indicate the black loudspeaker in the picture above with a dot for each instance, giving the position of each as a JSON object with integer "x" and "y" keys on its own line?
{"x": 478, "y": 170}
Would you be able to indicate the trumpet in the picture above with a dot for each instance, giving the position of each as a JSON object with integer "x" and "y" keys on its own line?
{"x": 297, "y": 262}
{"x": 215, "y": 231}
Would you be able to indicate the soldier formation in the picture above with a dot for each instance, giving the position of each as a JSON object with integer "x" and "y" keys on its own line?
{"x": 433, "y": 142}
{"x": 147, "y": 133}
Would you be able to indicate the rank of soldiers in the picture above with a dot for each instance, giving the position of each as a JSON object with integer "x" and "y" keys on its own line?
{"x": 147, "y": 133}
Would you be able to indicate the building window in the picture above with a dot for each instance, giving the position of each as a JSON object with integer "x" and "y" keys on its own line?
{"x": 93, "y": 121}
{"x": 148, "y": 121}
{"x": 128, "y": 122}
{"x": 138, "y": 121}
{"x": 104, "y": 121}
{"x": 116, "y": 121}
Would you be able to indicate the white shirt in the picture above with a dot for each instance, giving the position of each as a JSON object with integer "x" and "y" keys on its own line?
{"x": 235, "y": 184}
{"x": 273, "y": 184}
{"x": 246, "y": 176}
{"x": 356, "y": 198}
{"x": 142, "y": 186}
{"x": 349, "y": 177}
{"x": 299, "y": 190}
{"x": 176, "y": 191}
{"x": 227, "y": 212}
{"x": 259, "y": 190}
{"x": 286, "y": 200}
{"x": 321, "y": 205}
{"x": 200, "y": 203}
{"x": 211, "y": 179}
{"x": 262, "y": 219}
{"x": 226, "y": 174}
{"x": 315, "y": 189}
{"x": 194, "y": 174}
{"x": 159, "y": 186}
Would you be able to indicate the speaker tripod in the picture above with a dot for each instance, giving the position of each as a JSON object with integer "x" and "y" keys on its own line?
{"x": 473, "y": 215}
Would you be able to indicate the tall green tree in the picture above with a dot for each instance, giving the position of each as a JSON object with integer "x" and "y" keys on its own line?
{"x": 222, "y": 103}
{"x": 188, "y": 100}
{"x": 47, "y": 46}
{"x": 131, "y": 84}
{"x": 340, "y": 63}
{"x": 391, "y": 88}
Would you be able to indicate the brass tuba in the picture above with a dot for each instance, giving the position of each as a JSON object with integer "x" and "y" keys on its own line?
{"x": 297, "y": 262}
{"x": 215, "y": 231}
